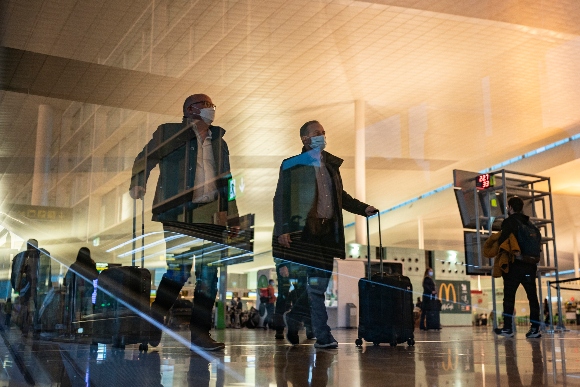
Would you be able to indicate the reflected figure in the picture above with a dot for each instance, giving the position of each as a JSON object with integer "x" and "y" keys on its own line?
{"x": 297, "y": 299}
{"x": 194, "y": 168}
{"x": 511, "y": 362}
{"x": 30, "y": 278}
{"x": 79, "y": 285}
{"x": 7, "y": 312}
{"x": 310, "y": 190}
{"x": 116, "y": 369}
{"x": 199, "y": 374}
{"x": 302, "y": 366}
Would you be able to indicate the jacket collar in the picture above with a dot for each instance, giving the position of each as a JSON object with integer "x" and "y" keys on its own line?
{"x": 216, "y": 131}
{"x": 329, "y": 158}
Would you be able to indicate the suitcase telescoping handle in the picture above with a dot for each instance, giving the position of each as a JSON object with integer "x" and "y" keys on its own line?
{"x": 135, "y": 232}
{"x": 369, "y": 247}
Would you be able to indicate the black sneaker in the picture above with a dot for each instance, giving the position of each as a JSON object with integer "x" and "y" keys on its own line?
{"x": 279, "y": 334}
{"x": 206, "y": 343}
{"x": 292, "y": 334}
{"x": 533, "y": 333}
{"x": 505, "y": 332}
{"x": 328, "y": 343}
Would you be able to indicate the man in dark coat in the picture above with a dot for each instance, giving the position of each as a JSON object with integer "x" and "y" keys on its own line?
{"x": 194, "y": 169}
{"x": 308, "y": 224}
{"x": 521, "y": 271}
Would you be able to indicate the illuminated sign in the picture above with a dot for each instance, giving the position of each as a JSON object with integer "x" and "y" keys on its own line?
{"x": 42, "y": 212}
{"x": 484, "y": 181}
{"x": 231, "y": 189}
{"x": 455, "y": 297}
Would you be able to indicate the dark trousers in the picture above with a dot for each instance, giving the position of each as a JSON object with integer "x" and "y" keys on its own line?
{"x": 203, "y": 297}
{"x": 524, "y": 274}
{"x": 7, "y": 321}
{"x": 299, "y": 296}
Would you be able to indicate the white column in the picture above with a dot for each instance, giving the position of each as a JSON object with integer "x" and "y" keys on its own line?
{"x": 40, "y": 179}
{"x": 360, "y": 167}
{"x": 575, "y": 241}
{"x": 421, "y": 233}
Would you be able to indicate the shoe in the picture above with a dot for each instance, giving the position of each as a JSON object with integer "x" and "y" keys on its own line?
{"x": 309, "y": 333}
{"x": 206, "y": 343}
{"x": 533, "y": 333}
{"x": 292, "y": 334}
{"x": 505, "y": 332}
{"x": 327, "y": 343}
{"x": 154, "y": 330}
{"x": 279, "y": 334}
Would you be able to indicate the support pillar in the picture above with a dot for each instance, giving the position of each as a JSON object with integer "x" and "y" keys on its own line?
{"x": 575, "y": 242}
{"x": 40, "y": 179}
{"x": 360, "y": 167}
{"x": 421, "y": 233}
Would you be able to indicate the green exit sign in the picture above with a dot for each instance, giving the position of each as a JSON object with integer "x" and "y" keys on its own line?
{"x": 231, "y": 189}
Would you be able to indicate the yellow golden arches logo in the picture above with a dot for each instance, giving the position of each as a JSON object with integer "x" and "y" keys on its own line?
{"x": 450, "y": 364}
{"x": 447, "y": 288}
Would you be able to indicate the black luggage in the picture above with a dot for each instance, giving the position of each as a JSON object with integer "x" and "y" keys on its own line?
{"x": 385, "y": 305}
{"x": 123, "y": 300}
{"x": 432, "y": 314}
{"x": 180, "y": 314}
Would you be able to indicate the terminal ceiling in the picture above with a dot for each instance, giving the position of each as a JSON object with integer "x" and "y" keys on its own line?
{"x": 445, "y": 87}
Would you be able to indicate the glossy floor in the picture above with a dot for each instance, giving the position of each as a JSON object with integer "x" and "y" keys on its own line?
{"x": 455, "y": 356}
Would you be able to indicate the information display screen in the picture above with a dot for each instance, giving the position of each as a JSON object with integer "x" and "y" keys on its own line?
{"x": 483, "y": 181}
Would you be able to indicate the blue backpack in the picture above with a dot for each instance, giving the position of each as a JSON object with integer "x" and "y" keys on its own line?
{"x": 530, "y": 239}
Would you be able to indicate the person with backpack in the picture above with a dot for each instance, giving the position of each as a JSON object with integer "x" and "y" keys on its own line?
{"x": 522, "y": 270}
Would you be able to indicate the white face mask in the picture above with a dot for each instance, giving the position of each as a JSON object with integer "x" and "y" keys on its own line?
{"x": 430, "y": 274}
{"x": 207, "y": 115}
{"x": 318, "y": 142}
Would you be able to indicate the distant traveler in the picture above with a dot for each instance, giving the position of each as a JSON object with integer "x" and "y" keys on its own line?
{"x": 522, "y": 271}
{"x": 308, "y": 225}
{"x": 270, "y": 305}
{"x": 429, "y": 293}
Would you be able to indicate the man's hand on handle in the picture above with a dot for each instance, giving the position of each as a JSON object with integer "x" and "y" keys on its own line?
{"x": 137, "y": 192}
{"x": 284, "y": 240}
{"x": 370, "y": 210}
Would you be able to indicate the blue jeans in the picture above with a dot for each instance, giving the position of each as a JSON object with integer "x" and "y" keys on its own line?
{"x": 316, "y": 288}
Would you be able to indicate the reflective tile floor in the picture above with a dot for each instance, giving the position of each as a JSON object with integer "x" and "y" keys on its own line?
{"x": 462, "y": 356}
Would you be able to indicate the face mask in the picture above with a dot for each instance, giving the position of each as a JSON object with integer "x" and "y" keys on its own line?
{"x": 207, "y": 115}
{"x": 318, "y": 142}
{"x": 430, "y": 274}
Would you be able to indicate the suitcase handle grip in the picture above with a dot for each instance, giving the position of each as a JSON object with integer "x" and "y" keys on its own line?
{"x": 135, "y": 232}
{"x": 369, "y": 247}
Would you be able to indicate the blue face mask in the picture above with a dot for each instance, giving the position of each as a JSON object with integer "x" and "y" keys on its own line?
{"x": 318, "y": 142}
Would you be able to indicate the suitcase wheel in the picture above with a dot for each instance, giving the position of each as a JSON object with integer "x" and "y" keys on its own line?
{"x": 411, "y": 342}
{"x": 358, "y": 342}
{"x": 143, "y": 347}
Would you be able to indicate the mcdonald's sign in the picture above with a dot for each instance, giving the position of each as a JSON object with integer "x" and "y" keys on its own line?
{"x": 455, "y": 296}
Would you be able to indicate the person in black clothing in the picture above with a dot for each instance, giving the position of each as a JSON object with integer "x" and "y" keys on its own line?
{"x": 79, "y": 284}
{"x": 521, "y": 271}
{"x": 429, "y": 293}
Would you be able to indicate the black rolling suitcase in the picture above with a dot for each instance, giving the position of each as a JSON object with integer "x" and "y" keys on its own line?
{"x": 123, "y": 299}
{"x": 385, "y": 305}
{"x": 432, "y": 319}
